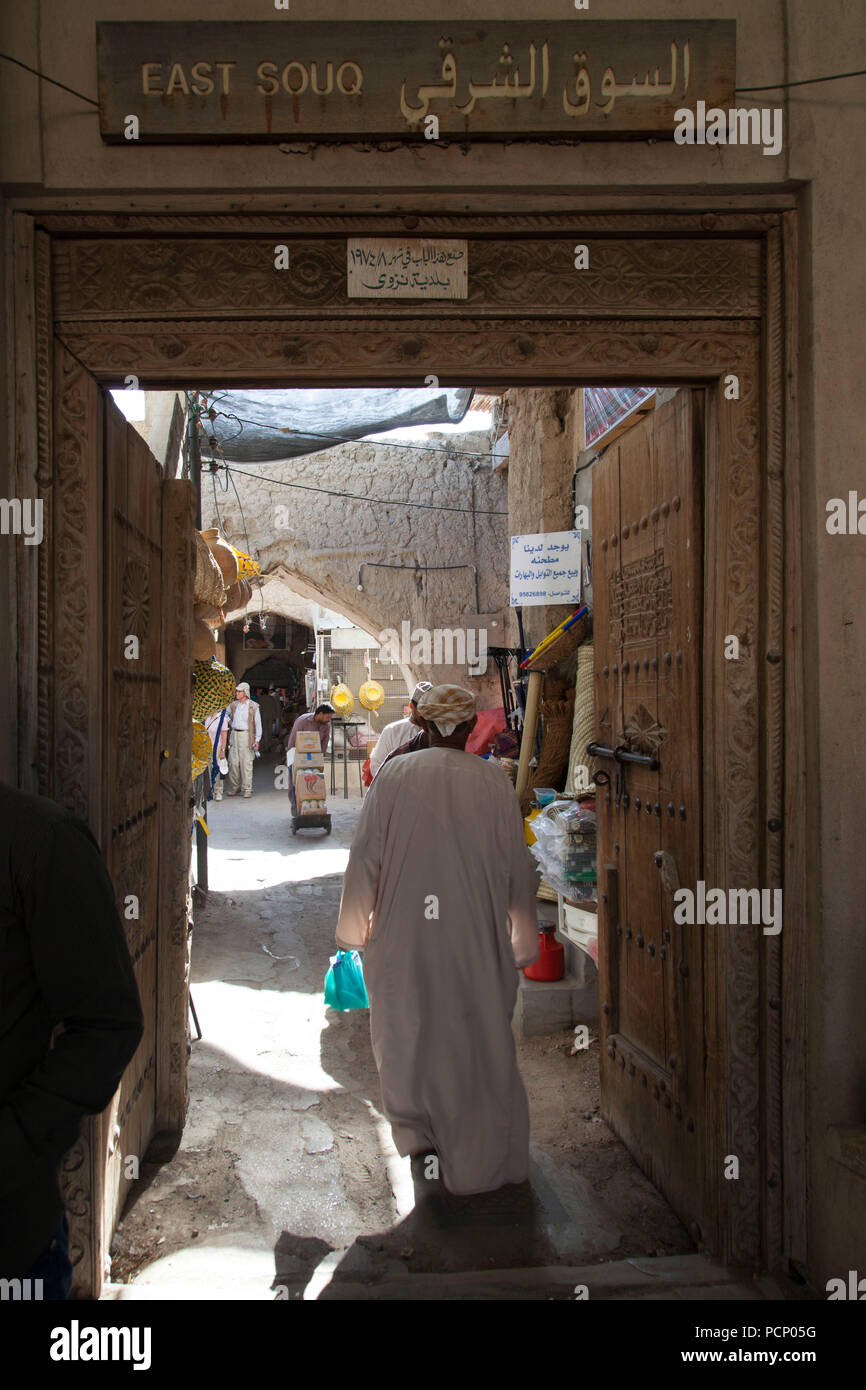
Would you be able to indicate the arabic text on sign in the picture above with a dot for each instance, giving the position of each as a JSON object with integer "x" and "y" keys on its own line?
{"x": 506, "y": 84}
{"x": 409, "y": 268}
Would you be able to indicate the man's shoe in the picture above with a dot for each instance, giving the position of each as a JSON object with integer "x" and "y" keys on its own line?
{"x": 246, "y": 794}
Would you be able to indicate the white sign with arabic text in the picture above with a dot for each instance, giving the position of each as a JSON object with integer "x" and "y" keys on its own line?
{"x": 406, "y": 268}
{"x": 545, "y": 568}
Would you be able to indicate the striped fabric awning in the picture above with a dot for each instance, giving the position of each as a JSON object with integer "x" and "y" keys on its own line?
{"x": 607, "y": 406}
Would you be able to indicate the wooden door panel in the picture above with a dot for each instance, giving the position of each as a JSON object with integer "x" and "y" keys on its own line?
{"x": 648, "y": 548}
{"x": 132, "y": 653}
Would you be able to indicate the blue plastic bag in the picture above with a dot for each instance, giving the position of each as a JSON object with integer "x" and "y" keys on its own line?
{"x": 344, "y": 983}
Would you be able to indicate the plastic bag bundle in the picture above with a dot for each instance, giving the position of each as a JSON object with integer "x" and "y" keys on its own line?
{"x": 344, "y": 983}
{"x": 565, "y": 848}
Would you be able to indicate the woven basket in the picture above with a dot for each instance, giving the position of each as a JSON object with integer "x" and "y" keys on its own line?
{"x": 214, "y": 688}
{"x": 209, "y": 586}
{"x": 583, "y": 727}
{"x": 201, "y": 748}
{"x": 342, "y": 699}
{"x": 224, "y": 555}
{"x": 371, "y": 695}
{"x": 557, "y": 718}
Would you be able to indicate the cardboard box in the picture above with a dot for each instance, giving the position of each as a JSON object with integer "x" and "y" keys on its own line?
{"x": 308, "y": 749}
{"x": 309, "y": 785}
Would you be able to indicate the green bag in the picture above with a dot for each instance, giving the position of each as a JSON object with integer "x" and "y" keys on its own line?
{"x": 344, "y": 983}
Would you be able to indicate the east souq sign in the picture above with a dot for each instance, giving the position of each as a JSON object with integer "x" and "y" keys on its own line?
{"x": 253, "y": 81}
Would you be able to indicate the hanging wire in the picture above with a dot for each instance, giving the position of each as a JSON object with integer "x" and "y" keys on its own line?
{"x": 805, "y": 82}
{"x": 36, "y": 73}
{"x": 359, "y": 497}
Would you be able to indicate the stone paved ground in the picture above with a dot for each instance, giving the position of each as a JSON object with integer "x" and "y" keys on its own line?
{"x": 286, "y": 1175}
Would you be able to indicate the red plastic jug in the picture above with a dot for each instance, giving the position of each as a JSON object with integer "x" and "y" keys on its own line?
{"x": 551, "y": 960}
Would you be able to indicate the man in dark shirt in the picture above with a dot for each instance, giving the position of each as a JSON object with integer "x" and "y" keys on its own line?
{"x": 64, "y": 965}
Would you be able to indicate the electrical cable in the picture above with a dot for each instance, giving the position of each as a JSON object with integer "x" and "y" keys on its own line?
{"x": 359, "y": 497}
{"x": 805, "y": 82}
{"x": 52, "y": 80}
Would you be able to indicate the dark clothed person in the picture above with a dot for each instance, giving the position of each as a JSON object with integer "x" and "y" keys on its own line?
{"x": 64, "y": 965}
{"x": 414, "y": 745}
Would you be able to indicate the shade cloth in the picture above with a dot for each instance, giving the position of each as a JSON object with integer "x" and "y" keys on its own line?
{"x": 261, "y": 426}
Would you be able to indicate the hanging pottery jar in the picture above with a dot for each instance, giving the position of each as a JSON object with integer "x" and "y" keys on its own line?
{"x": 203, "y": 640}
{"x": 209, "y": 586}
{"x": 214, "y": 617}
{"x": 224, "y": 556}
{"x": 239, "y": 595}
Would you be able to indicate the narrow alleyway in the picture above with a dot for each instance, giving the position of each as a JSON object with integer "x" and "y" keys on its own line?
{"x": 286, "y": 1176}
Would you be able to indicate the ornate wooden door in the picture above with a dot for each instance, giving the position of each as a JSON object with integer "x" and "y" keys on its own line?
{"x": 648, "y": 587}
{"x": 132, "y": 660}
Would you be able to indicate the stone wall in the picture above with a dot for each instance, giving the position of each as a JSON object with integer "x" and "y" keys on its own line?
{"x": 320, "y": 545}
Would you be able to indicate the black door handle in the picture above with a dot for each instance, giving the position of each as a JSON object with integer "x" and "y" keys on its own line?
{"x": 622, "y": 755}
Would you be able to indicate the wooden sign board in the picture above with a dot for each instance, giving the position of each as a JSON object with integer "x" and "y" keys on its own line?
{"x": 410, "y": 80}
{"x": 406, "y": 268}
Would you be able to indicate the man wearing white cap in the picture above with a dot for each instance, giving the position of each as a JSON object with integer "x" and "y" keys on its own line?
{"x": 246, "y": 727}
{"x": 394, "y": 735}
{"x": 439, "y": 893}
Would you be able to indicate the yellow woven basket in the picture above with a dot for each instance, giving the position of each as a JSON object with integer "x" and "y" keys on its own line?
{"x": 342, "y": 699}
{"x": 214, "y": 688}
{"x": 201, "y": 748}
{"x": 371, "y": 695}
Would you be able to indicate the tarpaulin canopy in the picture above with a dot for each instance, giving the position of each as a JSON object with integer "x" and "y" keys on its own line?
{"x": 262, "y": 426}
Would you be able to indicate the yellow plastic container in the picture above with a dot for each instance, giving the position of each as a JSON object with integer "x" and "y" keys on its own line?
{"x": 527, "y": 825}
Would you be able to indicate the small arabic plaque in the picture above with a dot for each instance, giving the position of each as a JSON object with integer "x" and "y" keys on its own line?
{"x": 406, "y": 268}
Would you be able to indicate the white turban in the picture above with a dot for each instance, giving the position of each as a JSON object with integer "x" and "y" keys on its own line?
{"x": 447, "y": 706}
{"x": 244, "y": 687}
{"x": 419, "y": 691}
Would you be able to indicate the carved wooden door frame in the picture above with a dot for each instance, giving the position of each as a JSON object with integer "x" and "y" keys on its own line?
{"x": 690, "y": 297}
